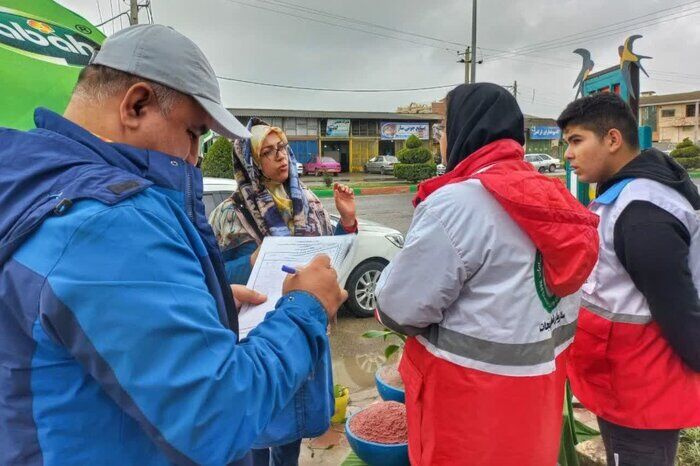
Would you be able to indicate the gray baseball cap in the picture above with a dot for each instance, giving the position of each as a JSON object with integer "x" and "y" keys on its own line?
{"x": 161, "y": 54}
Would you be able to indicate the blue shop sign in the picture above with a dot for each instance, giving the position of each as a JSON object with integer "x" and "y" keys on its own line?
{"x": 545, "y": 132}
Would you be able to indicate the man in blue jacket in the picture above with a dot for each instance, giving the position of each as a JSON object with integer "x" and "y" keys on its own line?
{"x": 118, "y": 331}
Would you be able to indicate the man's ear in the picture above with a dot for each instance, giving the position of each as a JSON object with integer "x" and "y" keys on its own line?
{"x": 614, "y": 140}
{"x": 138, "y": 101}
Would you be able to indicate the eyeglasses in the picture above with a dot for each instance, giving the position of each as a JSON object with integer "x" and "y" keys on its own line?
{"x": 271, "y": 152}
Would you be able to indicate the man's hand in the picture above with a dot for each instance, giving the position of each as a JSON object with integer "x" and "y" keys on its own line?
{"x": 243, "y": 295}
{"x": 345, "y": 203}
{"x": 321, "y": 280}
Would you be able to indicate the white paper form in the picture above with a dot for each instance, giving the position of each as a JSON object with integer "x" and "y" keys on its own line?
{"x": 267, "y": 276}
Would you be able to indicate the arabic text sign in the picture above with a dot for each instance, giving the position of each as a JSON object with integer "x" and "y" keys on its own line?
{"x": 338, "y": 128}
{"x": 393, "y": 131}
{"x": 545, "y": 132}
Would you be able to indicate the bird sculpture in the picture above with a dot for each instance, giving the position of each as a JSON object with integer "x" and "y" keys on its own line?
{"x": 586, "y": 68}
{"x": 628, "y": 59}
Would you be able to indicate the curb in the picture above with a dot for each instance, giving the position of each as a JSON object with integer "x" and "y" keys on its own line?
{"x": 324, "y": 193}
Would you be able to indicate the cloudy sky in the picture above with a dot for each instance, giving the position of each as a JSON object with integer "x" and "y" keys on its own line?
{"x": 380, "y": 44}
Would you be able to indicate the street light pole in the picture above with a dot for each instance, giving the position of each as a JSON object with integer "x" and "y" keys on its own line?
{"x": 473, "y": 48}
{"x": 467, "y": 60}
{"x": 134, "y": 13}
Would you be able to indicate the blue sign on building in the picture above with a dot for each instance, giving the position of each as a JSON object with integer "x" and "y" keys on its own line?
{"x": 545, "y": 132}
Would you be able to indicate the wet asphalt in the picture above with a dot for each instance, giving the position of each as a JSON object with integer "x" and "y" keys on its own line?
{"x": 356, "y": 359}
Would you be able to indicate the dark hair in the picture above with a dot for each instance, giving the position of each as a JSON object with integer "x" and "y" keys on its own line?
{"x": 600, "y": 113}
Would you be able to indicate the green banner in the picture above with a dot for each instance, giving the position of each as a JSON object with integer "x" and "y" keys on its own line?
{"x": 43, "y": 47}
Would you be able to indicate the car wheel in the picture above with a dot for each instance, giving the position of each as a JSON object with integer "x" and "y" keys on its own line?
{"x": 381, "y": 171}
{"x": 542, "y": 169}
{"x": 360, "y": 287}
{"x": 552, "y": 168}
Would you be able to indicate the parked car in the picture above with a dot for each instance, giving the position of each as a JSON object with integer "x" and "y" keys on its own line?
{"x": 376, "y": 245}
{"x": 321, "y": 165}
{"x": 543, "y": 162}
{"x": 300, "y": 168}
{"x": 381, "y": 164}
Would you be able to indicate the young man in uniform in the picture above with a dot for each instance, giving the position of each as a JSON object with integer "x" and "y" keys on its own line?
{"x": 636, "y": 354}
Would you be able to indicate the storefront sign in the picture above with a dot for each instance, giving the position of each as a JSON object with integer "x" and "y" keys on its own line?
{"x": 338, "y": 128}
{"x": 545, "y": 132}
{"x": 392, "y": 131}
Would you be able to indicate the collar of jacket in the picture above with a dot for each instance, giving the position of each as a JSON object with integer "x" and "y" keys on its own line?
{"x": 497, "y": 151}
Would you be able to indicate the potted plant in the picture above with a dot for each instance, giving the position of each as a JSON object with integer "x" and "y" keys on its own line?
{"x": 387, "y": 377}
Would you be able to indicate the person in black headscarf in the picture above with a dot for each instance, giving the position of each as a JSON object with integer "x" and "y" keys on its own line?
{"x": 486, "y": 288}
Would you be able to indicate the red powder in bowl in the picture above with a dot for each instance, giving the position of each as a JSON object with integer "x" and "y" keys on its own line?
{"x": 390, "y": 375}
{"x": 383, "y": 422}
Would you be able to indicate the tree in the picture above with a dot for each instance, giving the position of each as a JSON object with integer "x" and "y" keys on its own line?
{"x": 416, "y": 161}
{"x": 217, "y": 161}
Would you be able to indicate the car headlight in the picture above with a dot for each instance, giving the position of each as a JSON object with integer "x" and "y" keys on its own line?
{"x": 396, "y": 239}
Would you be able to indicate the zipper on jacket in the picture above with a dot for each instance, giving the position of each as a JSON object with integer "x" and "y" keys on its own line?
{"x": 189, "y": 197}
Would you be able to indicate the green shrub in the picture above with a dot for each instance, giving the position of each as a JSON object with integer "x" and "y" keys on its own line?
{"x": 414, "y": 152}
{"x": 686, "y": 142}
{"x": 217, "y": 161}
{"x": 412, "y": 142}
{"x": 689, "y": 163}
{"x": 685, "y": 152}
{"x": 414, "y": 172}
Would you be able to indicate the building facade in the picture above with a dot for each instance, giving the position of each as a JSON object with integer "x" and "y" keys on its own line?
{"x": 351, "y": 138}
{"x": 672, "y": 117}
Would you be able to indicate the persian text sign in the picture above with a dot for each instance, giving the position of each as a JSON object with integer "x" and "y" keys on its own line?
{"x": 545, "y": 132}
{"x": 338, "y": 128}
{"x": 392, "y": 131}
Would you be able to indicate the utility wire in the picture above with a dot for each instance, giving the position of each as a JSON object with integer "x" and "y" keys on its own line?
{"x": 111, "y": 12}
{"x": 346, "y": 27}
{"x": 99, "y": 10}
{"x": 112, "y": 19}
{"x": 558, "y": 43}
{"x": 328, "y": 89}
{"x": 315, "y": 11}
{"x": 587, "y": 33}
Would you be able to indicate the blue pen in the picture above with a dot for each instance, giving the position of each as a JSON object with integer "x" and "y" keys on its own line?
{"x": 288, "y": 269}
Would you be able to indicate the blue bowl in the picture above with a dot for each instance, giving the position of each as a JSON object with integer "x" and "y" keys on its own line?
{"x": 377, "y": 454}
{"x": 387, "y": 392}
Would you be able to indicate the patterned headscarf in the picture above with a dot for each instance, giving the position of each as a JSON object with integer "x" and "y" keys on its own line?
{"x": 254, "y": 190}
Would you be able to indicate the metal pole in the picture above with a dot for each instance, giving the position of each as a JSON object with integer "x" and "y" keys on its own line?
{"x": 473, "y": 49}
{"x": 467, "y": 58}
{"x": 134, "y": 13}
{"x": 697, "y": 119}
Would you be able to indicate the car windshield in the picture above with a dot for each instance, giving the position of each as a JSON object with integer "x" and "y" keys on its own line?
{"x": 391, "y": 158}
{"x": 328, "y": 160}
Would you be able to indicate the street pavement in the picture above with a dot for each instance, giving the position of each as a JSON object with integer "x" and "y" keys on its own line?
{"x": 392, "y": 210}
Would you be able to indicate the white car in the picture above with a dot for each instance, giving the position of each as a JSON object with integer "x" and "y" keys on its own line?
{"x": 543, "y": 162}
{"x": 300, "y": 168}
{"x": 376, "y": 245}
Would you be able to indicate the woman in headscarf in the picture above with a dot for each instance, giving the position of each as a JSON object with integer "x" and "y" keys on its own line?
{"x": 271, "y": 200}
{"x": 486, "y": 287}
